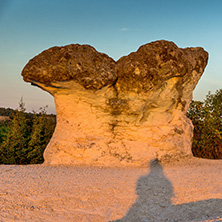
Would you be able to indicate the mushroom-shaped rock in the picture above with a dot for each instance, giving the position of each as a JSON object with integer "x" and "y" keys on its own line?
{"x": 118, "y": 113}
{"x": 80, "y": 63}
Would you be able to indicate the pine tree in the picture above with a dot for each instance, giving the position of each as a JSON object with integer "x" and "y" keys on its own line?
{"x": 42, "y": 130}
{"x": 14, "y": 148}
{"x": 3, "y": 131}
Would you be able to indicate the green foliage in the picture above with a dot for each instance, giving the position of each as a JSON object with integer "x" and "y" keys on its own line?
{"x": 42, "y": 129}
{"x": 207, "y": 120}
{"x": 15, "y": 146}
{"x": 3, "y": 131}
{"x": 6, "y": 111}
{"x": 24, "y": 139}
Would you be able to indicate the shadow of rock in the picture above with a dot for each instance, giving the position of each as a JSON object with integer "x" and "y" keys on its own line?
{"x": 154, "y": 201}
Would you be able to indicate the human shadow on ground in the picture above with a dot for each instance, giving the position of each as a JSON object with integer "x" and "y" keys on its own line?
{"x": 154, "y": 201}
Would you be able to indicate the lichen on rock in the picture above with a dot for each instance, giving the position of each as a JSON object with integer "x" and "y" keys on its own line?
{"x": 81, "y": 63}
{"x": 118, "y": 113}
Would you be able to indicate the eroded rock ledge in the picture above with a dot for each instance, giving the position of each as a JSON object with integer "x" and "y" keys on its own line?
{"x": 118, "y": 113}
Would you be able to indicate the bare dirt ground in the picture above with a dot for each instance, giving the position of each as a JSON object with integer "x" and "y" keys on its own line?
{"x": 188, "y": 190}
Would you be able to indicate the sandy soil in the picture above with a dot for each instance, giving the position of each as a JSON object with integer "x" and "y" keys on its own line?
{"x": 188, "y": 190}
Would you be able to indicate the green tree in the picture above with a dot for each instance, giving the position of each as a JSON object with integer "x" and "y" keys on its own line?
{"x": 207, "y": 120}
{"x": 25, "y": 138}
{"x": 3, "y": 131}
{"x": 6, "y": 111}
{"x": 42, "y": 130}
{"x": 14, "y": 148}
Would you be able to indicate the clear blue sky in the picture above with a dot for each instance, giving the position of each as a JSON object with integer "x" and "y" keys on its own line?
{"x": 115, "y": 27}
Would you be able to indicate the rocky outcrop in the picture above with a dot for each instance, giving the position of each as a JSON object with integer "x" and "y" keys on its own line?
{"x": 118, "y": 113}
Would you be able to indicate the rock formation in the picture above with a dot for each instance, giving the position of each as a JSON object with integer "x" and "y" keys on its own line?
{"x": 118, "y": 113}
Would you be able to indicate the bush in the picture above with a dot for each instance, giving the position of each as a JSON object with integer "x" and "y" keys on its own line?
{"x": 207, "y": 120}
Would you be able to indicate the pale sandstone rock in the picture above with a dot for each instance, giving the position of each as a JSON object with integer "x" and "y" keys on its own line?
{"x": 118, "y": 113}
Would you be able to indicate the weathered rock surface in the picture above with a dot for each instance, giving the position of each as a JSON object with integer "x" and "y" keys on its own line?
{"x": 118, "y": 113}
